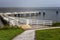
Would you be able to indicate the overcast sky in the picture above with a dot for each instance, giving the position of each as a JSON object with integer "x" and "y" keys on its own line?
{"x": 29, "y": 3}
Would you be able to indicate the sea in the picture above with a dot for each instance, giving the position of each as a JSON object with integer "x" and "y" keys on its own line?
{"x": 50, "y": 12}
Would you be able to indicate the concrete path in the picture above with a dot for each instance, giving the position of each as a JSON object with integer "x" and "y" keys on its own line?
{"x": 27, "y": 35}
{"x": 30, "y": 34}
{"x": 47, "y": 28}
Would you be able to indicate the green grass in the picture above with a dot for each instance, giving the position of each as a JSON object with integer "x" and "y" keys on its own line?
{"x": 8, "y": 34}
{"x": 56, "y": 24}
{"x": 51, "y": 34}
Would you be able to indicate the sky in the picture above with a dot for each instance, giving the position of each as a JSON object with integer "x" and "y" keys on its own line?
{"x": 29, "y": 3}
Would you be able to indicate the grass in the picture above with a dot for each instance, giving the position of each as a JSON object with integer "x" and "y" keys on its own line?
{"x": 56, "y": 24}
{"x": 51, "y": 34}
{"x": 9, "y": 33}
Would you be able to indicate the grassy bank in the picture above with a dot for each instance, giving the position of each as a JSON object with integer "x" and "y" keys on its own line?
{"x": 51, "y": 34}
{"x": 8, "y": 34}
{"x": 56, "y": 24}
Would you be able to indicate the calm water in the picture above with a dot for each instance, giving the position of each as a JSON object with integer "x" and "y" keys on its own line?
{"x": 50, "y": 13}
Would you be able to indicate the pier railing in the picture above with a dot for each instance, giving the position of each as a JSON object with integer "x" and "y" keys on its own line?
{"x": 41, "y": 22}
{"x": 18, "y": 21}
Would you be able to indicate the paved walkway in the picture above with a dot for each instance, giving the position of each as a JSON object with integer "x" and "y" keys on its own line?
{"x": 47, "y": 28}
{"x": 30, "y": 34}
{"x": 27, "y": 35}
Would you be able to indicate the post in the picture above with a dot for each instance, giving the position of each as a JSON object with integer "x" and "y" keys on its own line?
{"x": 27, "y": 22}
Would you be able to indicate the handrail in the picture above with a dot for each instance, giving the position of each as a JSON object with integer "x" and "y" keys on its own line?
{"x": 29, "y": 21}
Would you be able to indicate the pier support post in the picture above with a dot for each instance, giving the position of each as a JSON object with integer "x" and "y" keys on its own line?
{"x": 27, "y": 22}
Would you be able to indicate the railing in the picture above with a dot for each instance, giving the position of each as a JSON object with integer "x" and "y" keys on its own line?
{"x": 18, "y": 21}
{"x": 35, "y": 21}
{"x": 43, "y": 22}
{"x": 15, "y": 21}
{"x": 11, "y": 21}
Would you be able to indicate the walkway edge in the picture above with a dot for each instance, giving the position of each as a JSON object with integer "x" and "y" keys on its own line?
{"x": 48, "y": 28}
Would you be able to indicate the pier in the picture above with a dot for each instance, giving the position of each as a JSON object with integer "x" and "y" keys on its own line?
{"x": 21, "y": 20}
